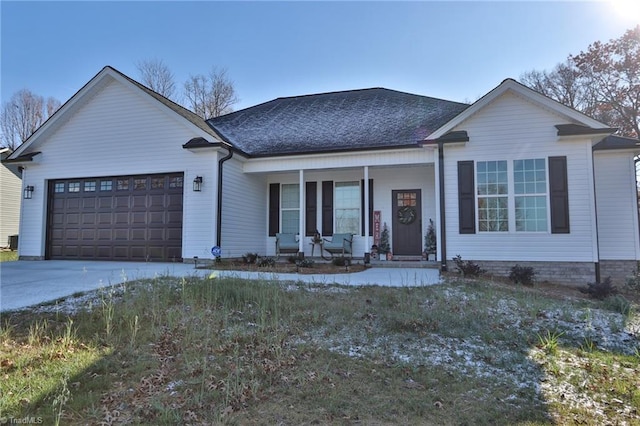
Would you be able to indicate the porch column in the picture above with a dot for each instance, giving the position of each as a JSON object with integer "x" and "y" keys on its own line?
{"x": 367, "y": 242}
{"x": 302, "y": 212}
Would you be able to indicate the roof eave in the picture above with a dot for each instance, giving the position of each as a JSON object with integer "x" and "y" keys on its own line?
{"x": 336, "y": 151}
{"x": 25, "y": 158}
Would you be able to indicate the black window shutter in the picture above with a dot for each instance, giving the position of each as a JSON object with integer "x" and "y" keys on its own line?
{"x": 274, "y": 209}
{"x": 362, "y": 209}
{"x": 311, "y": 207}
{"x": 466, "y": 198}
{"x": 559, "y": 195}
{"x": 327, "y": 207}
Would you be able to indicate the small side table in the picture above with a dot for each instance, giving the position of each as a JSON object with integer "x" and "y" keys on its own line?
{"x": 313, "y": 247}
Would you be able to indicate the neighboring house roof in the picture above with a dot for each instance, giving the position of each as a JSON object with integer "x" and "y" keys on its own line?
{"x": 108, "y": 74}
{"x": 613, "y": 142}
{"x": 351, "y": 120}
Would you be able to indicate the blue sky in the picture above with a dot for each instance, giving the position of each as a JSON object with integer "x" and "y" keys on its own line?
{"x": 452, "y": 50}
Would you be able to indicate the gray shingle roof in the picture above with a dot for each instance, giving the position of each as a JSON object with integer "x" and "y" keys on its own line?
{"x": 338, "y": 121}
{"x": 617, "y": 142}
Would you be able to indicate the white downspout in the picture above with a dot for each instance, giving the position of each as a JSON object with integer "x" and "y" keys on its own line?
{"x": 367, "y": 242}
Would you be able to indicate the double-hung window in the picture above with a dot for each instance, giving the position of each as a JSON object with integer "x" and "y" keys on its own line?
{"x": 493, "y": 196}
{"x": 290, "y": 208}
{"x": 347, "y": 207}
{"x": 521, "y": 195}
{"x": 530, "y": 189}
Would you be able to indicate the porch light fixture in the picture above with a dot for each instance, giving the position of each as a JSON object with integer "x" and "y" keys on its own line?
{"x": 197, "y": 184}
{"x": 28, "y": 192}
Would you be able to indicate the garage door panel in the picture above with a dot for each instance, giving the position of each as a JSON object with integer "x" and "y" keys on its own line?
{"x": 139, "y": 218}
{"x": 138, "y": 234}
{"x": 173, "y": 234}
{"x": 57, "y": 219}
{"x": 105, "y": 234}
{"x": 89, "y": 203}
{"x": 156, "y": 201}
{"x": 73, "y": 203}
{"x": 88, "y": 234}
{"x": 174, "y": 217}
{"x": 121, "y": 218}
{"x": 104, "y": 202}
{"x": 88, "y": 218}
{"x": 87, "y": 251}
{"x": 105, "y": 218}
{"x": 118, "y": 218}
{"x": 157, "y": 234}
{"x": 72, "y": 219}
{"x": 121, "y": 234}
{"x": 121, "y": 201}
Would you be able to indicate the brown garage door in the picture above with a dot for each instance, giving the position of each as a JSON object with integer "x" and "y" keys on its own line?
{"x": 116, "y": 218}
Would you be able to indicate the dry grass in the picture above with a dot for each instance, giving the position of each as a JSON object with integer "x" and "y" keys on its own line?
{"x": 211, "y": 351}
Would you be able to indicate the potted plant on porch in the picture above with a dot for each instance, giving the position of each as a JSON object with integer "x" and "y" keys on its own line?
{"x": 383, "y": 247}
{"x": 430, "y": 242}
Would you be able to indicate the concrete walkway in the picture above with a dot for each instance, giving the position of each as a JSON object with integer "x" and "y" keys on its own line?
{"x": 27, "y": 283}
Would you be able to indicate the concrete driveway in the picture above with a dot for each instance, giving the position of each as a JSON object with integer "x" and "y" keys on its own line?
{"x": 27, "y": 283}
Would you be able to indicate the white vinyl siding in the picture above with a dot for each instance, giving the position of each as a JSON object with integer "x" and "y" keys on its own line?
{"x": 10, "y": 198}
{"x": 120, "y": 130}
{"x": 617, "y": 209}
{"x": 244, "y": 203}
{"x": 513, "y": 128}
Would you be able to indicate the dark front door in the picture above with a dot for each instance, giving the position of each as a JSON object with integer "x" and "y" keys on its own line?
{"x": 407, "y": 222}
{"x": 116, "y": 218}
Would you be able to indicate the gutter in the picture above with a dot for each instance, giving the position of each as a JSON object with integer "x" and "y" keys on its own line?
{"x": 219, "y": 204}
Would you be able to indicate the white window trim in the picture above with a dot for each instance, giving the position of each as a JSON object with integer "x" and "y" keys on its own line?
{"x": 511, "y": 198}
{"x": 283, "y": 209}
{"x": 335, "y": 208}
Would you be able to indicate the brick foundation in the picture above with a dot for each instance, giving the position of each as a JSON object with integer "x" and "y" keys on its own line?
{"x": 618, "y": 270}
{"x": 566, "y": 273}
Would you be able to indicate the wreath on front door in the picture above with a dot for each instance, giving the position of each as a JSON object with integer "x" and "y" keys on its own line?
{"x": 406, "y": 215}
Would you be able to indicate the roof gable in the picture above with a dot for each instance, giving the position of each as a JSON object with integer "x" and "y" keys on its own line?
{"x": 106, "y": 76}
{"x": 352, "y": 120}
{"x": 510, "y": 85}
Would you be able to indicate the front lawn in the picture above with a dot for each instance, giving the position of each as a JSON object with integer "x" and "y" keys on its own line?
{"x": 209, "y": 351}
{"x": 8, "y": 256}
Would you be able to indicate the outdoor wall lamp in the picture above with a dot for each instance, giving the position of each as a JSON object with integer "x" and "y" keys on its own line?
{"x": 197, "y": 184}
{"x": 28, "y": 192}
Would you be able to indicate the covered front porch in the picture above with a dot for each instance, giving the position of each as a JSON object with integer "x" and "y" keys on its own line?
{"x": 360, "y": 200}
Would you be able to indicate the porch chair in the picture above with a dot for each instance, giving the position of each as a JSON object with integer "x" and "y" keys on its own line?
{"x": 286, "y": 243}
{"x": 340, "y": 244}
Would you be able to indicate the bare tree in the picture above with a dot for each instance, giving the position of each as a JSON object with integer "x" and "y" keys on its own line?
{"x": 22, "y": 115}
{"x": 157, "y": 76}
{"x": 603, "y": 82}
{"x": 565, "y": 84}
{"x": 211, "y": 95}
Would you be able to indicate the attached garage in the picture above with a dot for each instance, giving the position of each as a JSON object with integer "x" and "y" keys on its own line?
{"x": 136, "y": 217}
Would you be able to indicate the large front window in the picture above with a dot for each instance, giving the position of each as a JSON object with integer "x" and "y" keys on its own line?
{"x": 492, "y": 190}
{"x": 347, "y": 207}
{"x": 530, "y": 188}
{"x": 290, "y": 208}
